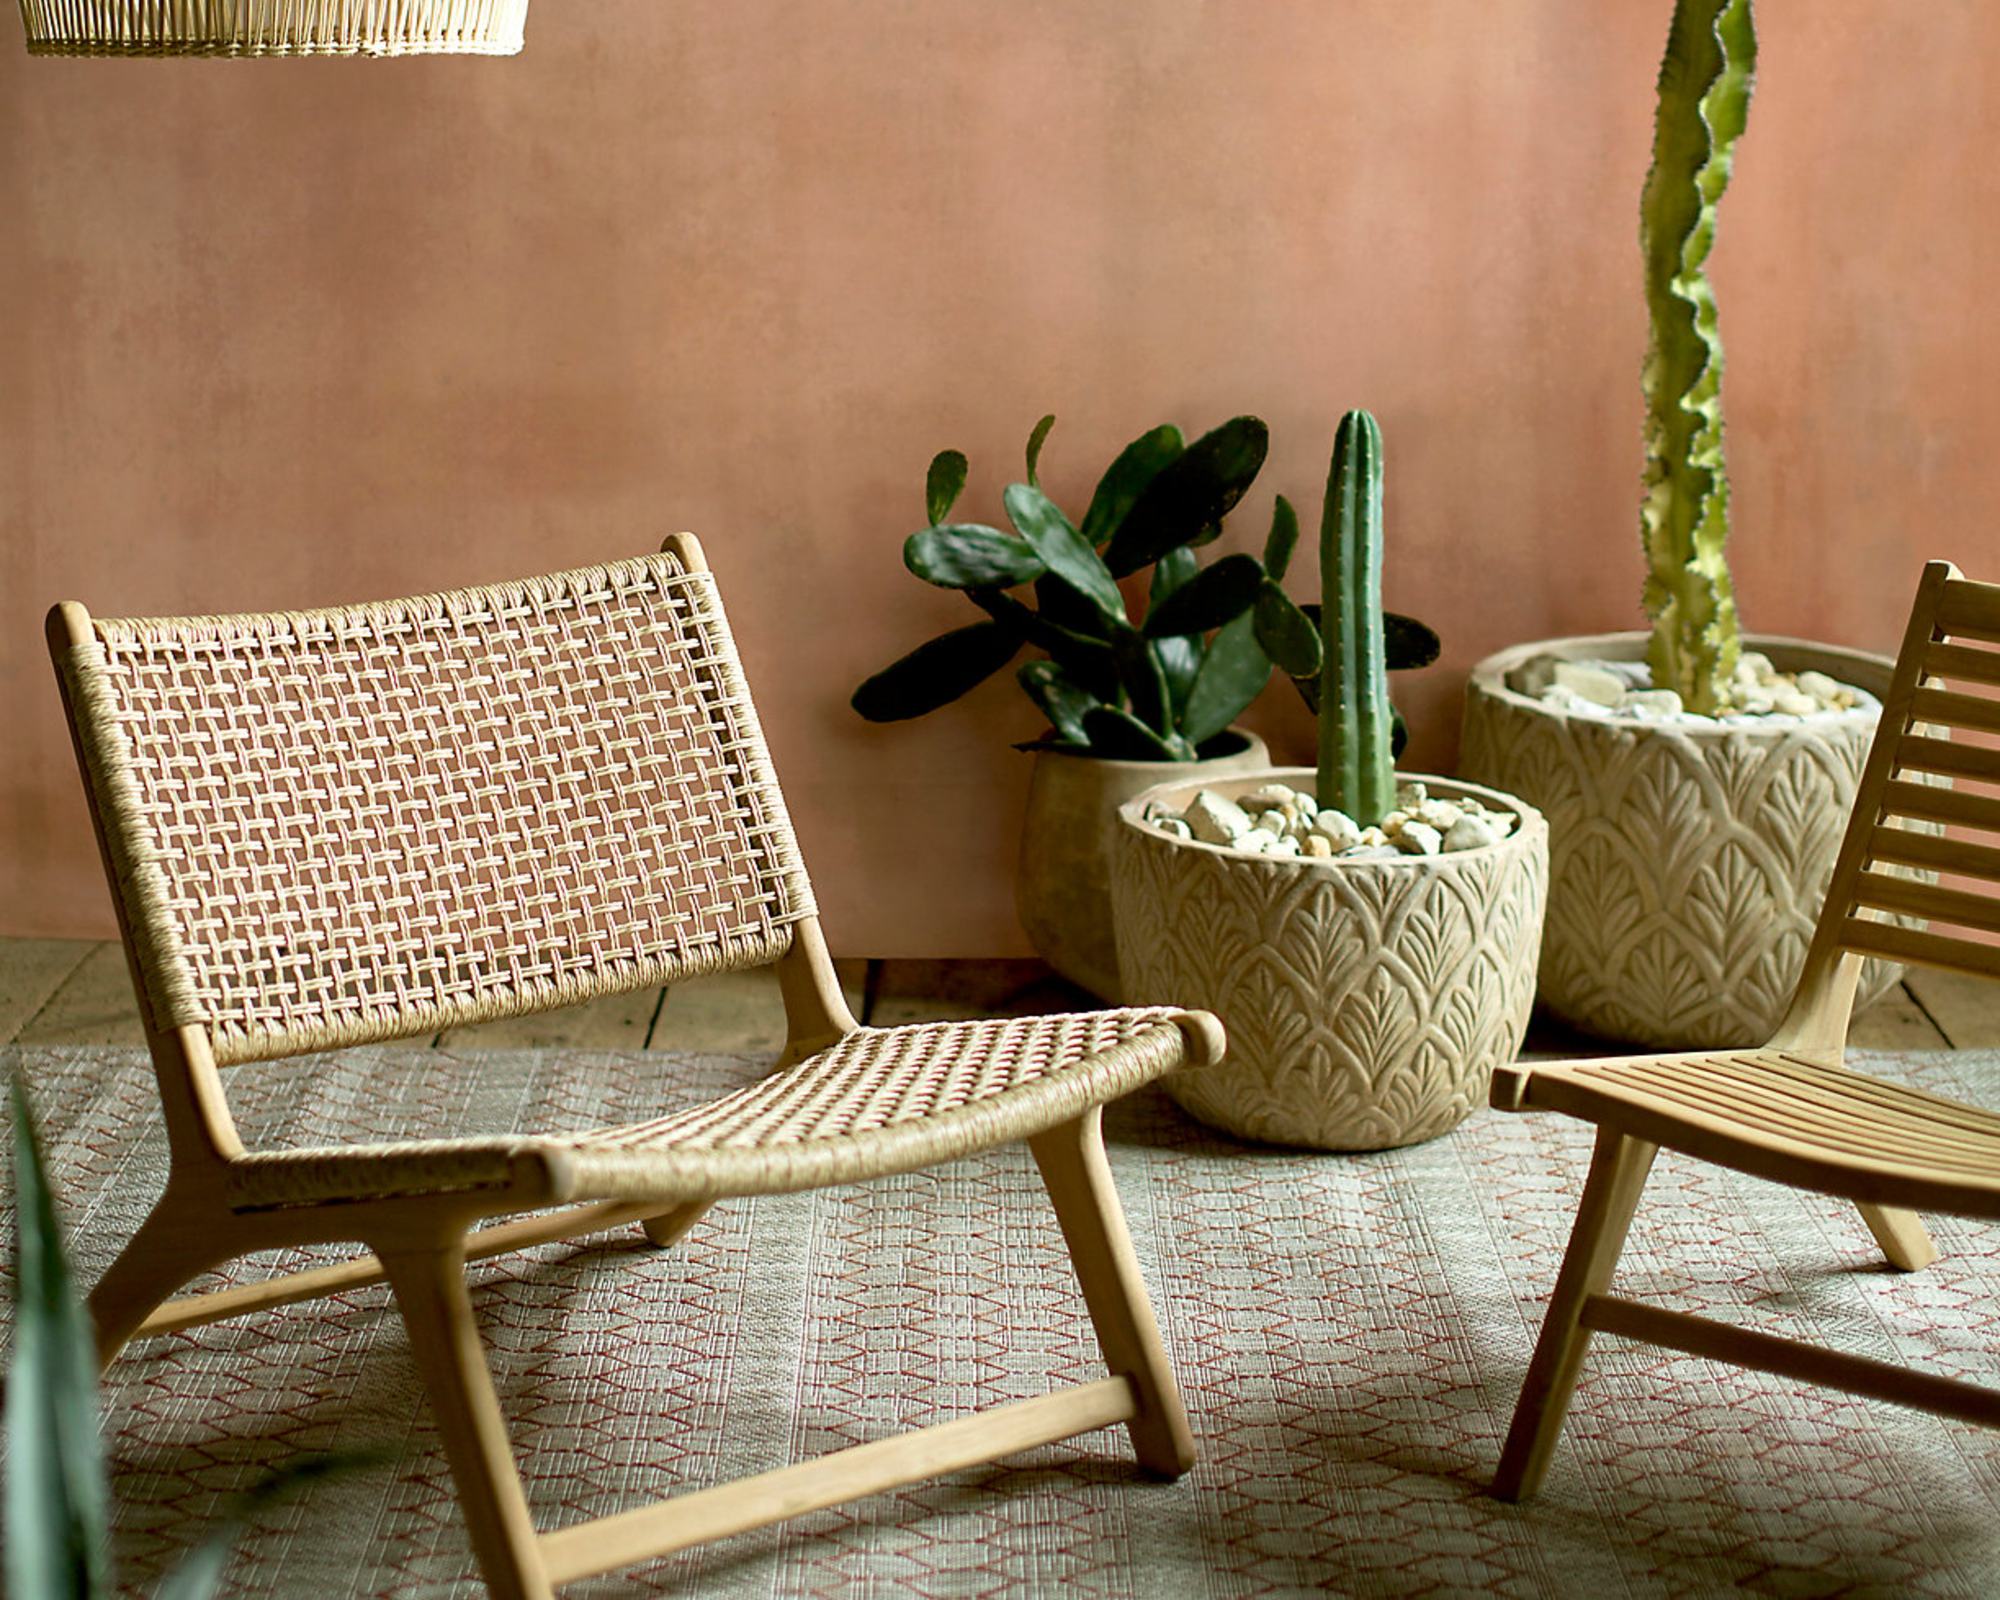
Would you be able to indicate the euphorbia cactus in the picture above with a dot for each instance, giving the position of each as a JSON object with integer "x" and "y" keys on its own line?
{"x": 1356, "y": 725}
{"x": 1704, "y": 103}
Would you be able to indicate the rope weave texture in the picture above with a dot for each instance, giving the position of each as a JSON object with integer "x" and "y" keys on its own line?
{"x": 337, "y": 826}
{"x": 882, "y": 1100}
{"x": 273, "y": 27}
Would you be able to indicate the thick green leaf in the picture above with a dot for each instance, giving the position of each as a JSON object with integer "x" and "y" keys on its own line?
{"x": 1066, "y": 608}
{"x": 1087, "y": 660}
{"x": 943, "y": 484}
{"x": 937, "y": 673}
{"x": 1061, "y": 699}
{"x": 1283, "y": 539}
{"x": 1145, "y": 681}
{"x": 1196, "y": 490}
{"x": 1408, "y": 643}
{"x": 1172, "y": 570}
{"x": 1288, "y": 636}
{"x": 1138, "y": 464}
{"x": 1035, "y": 441}
{"x": 1211, "y": 599}
{"x": 55, "y": 1492}
{"x": 1119, "y": 736}
{"x": 1232, "y": 674}
{"x": 970, "y": 555}
{"x": 1066, "y": 552}
{"x": 1180, "y": 657}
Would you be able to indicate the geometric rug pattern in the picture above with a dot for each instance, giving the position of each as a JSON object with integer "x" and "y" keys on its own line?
{"x": 1349, "y": 1331}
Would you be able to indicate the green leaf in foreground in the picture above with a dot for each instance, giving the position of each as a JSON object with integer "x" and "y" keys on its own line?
{"x": 943, "y": 484}
{"x": 970, "y": 555}
{"x": 55, "y": 1495}
{"x": 1232, "y": 675}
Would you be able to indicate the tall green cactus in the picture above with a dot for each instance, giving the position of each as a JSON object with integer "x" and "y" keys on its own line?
{"x": 1356, "y": 725}
{"x": 1704, "y": 103}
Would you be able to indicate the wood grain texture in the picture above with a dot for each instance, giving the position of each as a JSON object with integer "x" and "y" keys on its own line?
{"x": 94, "y": 1004}
{"x": 31, "y": 971}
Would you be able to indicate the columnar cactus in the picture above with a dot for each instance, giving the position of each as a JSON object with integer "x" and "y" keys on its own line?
{"x": 1704, "y": 103}
{"x": 1356, "y": 724}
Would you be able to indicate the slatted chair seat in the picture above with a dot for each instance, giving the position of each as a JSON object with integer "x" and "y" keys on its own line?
{"x": 881, "y": 1101}
{"x": 327, "y": 828}
{"x": 1791, "y": 1111}
{"x": 1795, "y": 1119}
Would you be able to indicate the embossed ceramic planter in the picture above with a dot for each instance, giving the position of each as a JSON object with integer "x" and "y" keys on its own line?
{"x": 1366, "y": 1002}
{"x": 1687, "y": 864}
{"x": 1062, "y": 890}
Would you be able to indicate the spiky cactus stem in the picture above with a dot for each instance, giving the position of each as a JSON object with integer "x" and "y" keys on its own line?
{"x": 1356, "y": 768}
{"x": 1704, "y": 103}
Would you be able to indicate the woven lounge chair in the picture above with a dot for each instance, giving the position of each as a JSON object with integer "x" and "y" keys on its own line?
{"x": 1791, "y": 1112}
{"x": 330, "y": 827}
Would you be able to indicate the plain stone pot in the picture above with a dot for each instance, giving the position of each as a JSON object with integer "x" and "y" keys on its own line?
{"x": 1366, "y": 1002}
{"x": 1688, "y": 863}
{"x": 1062, "y": 888}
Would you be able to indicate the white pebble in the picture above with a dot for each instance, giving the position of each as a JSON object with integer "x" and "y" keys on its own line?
{"x": 1598, "y": 685}
{"x": 1471, "y": 833}
{"x": 1653, "y": 703}
{"x": 1337, "y": 828}
{"x": 1317, "y": 845}
{"x": 1174, "y": 826}
{"x": 1272, "y": 797}
{"x": 1256, "y": 840}
{"x": 1419, "y": 839}
{"x": 1213, "y": 819}
{"x": 1439, "y": 814}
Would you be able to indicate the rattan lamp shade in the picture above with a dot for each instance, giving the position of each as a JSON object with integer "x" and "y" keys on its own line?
{"x": 274, "y": 27}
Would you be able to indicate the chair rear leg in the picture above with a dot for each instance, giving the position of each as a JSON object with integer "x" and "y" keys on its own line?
{"x": 1618, "y": 1172}
{"x": 172, "y": 1247}
{"x": 1078, "y": 1178}
{"x": 666, "y": 1228}
{"x": 1902, "y": 1236}
{"x": 431, "y": 1294}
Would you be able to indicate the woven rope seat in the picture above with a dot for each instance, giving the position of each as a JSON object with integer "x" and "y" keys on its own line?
{"x": 327, "y": 828}
{"x": 1795, "y": 1119}
{"x": 881, "y": 1101}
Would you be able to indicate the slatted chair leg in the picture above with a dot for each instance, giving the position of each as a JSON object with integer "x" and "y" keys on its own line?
{"x": 1078, "y": 1177}
{"x": 1902, "y": 1235}
{"x": 437, "y": 1311}
{"x": 1618, "y": 1171}
{"x": 169, "y": 1250}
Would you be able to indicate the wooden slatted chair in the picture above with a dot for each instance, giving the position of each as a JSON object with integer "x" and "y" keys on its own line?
{"x": 1791, "y": 1111}
{"x": 331, "y": 827}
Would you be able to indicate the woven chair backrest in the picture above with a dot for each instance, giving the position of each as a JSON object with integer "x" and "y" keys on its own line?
{"x": 1929, "y": 801}
{"x": 329, "y": 827}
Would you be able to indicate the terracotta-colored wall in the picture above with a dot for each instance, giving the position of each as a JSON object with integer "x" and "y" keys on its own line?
{"x": 279, "y": 334}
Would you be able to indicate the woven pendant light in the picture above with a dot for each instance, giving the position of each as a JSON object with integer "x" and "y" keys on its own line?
{"x": 274, "y": 27}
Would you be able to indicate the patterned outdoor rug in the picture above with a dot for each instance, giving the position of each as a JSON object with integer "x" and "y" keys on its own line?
{"x": 1350, "y": 1333}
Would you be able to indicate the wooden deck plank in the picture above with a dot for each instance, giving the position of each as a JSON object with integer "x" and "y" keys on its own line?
{"x": 739, "y": 1013}
{"x": 936, "y": 991}
{"x": 616, "y": 1022}
{"x": 1896, "y": 1022}
{"x": 1965, "y": 1007}
{"x": 31, "y": 970}
{"x": 93, "y": 1005}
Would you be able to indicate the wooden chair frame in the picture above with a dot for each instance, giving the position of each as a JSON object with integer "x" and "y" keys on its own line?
{"x": 1891, "y": 1150}
{"x": 420, "y": 1244}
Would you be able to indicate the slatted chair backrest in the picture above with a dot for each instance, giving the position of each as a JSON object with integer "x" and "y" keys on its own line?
{"x": 330, "y": 827}
{"x": 1934, "y": 761}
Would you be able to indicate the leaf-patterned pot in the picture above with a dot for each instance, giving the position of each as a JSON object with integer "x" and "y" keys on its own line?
{"x": 1366, "y": 1002}
{"x": 1062, "y": 891}
{"x": 1687, "y": 863}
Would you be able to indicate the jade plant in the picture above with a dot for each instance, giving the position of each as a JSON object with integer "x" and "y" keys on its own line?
{"x": 1704, "y": 103}
{"x": 1162, "y": 687}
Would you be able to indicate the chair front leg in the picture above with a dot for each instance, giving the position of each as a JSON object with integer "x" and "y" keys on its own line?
{"x": 1078, "y": 1177}
{"x": 1901, "y": 1234}
{"x": 176, "y": 1244}
{"x": 1618, "y": 1171}
{"x": 437, "y": 1311}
